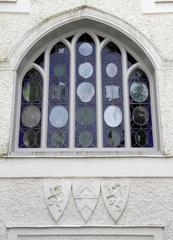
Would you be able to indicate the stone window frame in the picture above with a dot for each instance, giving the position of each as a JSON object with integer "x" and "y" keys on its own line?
{"x": 98, "y": 150}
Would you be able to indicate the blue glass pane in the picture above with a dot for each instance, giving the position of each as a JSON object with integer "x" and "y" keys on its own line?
{"x": 85, "y": 130}
{"x": 31, "y": 110}
{"x": 58, "y": 110}
{"x": 140, "y": 110}
{"x": 112, "y": 92}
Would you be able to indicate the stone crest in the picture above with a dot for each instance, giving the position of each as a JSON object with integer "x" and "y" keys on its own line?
{"x": 57, "y": 193}
{"x": 115, "y": 195}
{"x": 86, "y": 194}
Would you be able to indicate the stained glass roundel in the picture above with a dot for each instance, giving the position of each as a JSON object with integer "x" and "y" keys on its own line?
{"x": 113, "y": 116}
{"x": 86, "y": 70}
{"x": 57, "y": 138}
{"x": 114, "y": 138}
{"x": 111, "y": 70}
{"x": 85, "y": 115}
{"x": 85, "y": 49}
{"x": 58, "y": 116}
{"x": 29, "y": 138}
{"x": 85, "y": 91}
{"x": 139, "y": 92}
{"x": 141, "y": 138}
{"x": 140, "y": 115}
{"x": 31, "y": 90}
{"x": 31, "y": 116}
{"x": 60, "y": 70}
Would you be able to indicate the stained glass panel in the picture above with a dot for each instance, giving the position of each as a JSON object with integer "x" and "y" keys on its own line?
{"x": 58, "y": 109}
{"x": 140, "y": 110}
{"x": 85, "y": 132}
{"x": 31, "y": 110}
{"x": 113, "y": 126}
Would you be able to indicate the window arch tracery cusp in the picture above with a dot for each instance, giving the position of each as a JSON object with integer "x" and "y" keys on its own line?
{"x": 85, "y": 92}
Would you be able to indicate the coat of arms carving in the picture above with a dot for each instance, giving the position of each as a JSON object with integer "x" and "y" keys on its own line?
{"x": 86, "y": 194}
{"x": 115, "y": 195}
{"x": 57, "y": 193}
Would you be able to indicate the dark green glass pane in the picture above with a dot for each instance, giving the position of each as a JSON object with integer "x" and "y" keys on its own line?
{"x": 29, "y": 138}
{"x": 140, "y": 116}
{"x": 114, "y": 138}
{"x": 85, "y": 115}
{"x": 57, "y": 139}
{"x": 60, "y": 70}
{"x": 141, "y": 138}
{"x": 32, "y": 91}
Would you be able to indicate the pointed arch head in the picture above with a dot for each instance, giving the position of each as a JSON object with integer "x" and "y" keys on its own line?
{"x": 84, "y": 17}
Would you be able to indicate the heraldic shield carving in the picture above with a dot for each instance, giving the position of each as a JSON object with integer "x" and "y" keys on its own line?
{"x": 57, "y": 193}
{"x": 86, "y": 194}
{"x": 115, "y": 195}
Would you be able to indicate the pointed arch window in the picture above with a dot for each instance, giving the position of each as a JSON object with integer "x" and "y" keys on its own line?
{"x": 86, "y": 91}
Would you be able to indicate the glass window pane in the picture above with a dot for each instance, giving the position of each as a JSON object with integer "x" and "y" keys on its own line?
{"x": 113, "y": 126}
{"x": 140, "y": 110}
{"x": 58, "y": 110}
{"x": 31, "y": 110}
{"x": 85, "y": 119}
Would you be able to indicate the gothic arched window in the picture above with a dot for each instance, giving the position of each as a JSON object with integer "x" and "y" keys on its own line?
{"x": 85, "y": 91}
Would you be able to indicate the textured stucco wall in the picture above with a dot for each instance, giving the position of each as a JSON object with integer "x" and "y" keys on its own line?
{"x": 22, "y": 204}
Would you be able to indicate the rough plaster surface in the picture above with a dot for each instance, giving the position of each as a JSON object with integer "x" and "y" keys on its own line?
{"x": 22, "y": 204}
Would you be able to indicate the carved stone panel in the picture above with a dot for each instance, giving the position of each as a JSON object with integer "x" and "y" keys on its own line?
{"x": 57, "y": 193}
{"x": 115, "y": 195}
{"x": 86, "y": 193}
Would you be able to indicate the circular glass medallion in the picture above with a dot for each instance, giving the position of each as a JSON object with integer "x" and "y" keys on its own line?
{"x": 113, "y": 116}
{"x": 111, "y": 70}
{"x": 29, "y": 138}
{"x": 139, "y": 92}
{"x": 114, "y": 138}
{"x": 57, "y": 138}
{"x": 58, "y": 117}
{"x": 85, "y": 70}
{"x": 85, "y": 138}
{"x": 85, "y": 115}
{"x": 58, "y": 91}
{"x": 141, "y": 138}
{"x": 85, "y": 49}
{"x": 85, "y": 91}
{"x": 60, "y": 70}
{"x": 140, "y": 116}
{"x": 31, "y": 91}
{"x": 31, "y": 116}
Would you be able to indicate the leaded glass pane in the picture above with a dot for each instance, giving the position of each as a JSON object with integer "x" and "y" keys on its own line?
{"x": 85, "y": 131}
{"x": 58, "y": 110}
{"x": 31, "y": 110}
{"x": 140, "y": 110}
{"x": 113, "y": 126}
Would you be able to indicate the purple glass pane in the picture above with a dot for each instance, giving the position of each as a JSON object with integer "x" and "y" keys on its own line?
{"x": 31, "y": 108}
{"x": 140, "y": 110}
{"x": 113, "y": 123}
{"x": 58, "y": 110}
{"x": 85, "y": 116}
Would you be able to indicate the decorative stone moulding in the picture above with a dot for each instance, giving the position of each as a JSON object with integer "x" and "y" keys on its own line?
{"x": 86, "y": 194}
{"x": 57, "y": 193}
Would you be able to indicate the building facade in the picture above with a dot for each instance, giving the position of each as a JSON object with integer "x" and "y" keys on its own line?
{"x": 86, "y": 120}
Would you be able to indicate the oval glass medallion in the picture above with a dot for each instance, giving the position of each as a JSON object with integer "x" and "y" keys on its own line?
{"x": 114, "y": 138}
{"x": 86, "y": 70}
{"x": 57, "y": 138}
{"x": 139, "y": 92}
{"x": 113, "y": 116}
{"x": 85, "y": 91}
{"x": 31, "y": 91}
{"x": 58, "y": 116}
{"x": 29, "y": 138}
{"x": 141, "y": 138}
{"x": 85, "y": 138}
{"x": 31, "y": 116}
{"x": 85, "y": 115}
{"x": 85, "y": 49}
{"x": 60, "y": 70}
{"x": 111, "y": 70}
{"x": 140, "y": 116}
